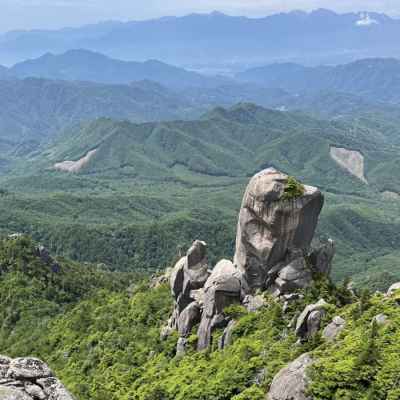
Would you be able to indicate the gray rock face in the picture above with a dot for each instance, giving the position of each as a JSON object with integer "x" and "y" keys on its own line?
{"x": 273, "y": 252}
{"x": 270, "y": 229}
{"x": 188, "y": 318}
{"x": 254, "y": 303}
{"x": 181, "y": 347}
{"x": 322, "y": 256}
{"x": 187, "y": 280}
{"x": 29, "y": 379}
{"x": 224, "y": 287}
{"x": 28, "y": 368}
{"x": 9, "y": 393}
{"x": 226, "y": 338}
{"x": 295, "y": 275}
{"x": 291, "y": 382}
{"x": 309, "y": 321}
{"x": 332, "y": 330}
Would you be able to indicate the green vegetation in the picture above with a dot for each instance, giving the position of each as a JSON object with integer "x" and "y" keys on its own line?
{"x": 151, "y": 189}
{"x": 103, "y": 339}
{"x": 293, "y": 189}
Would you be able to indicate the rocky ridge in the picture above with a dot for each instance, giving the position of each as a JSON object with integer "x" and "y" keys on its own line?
{"x": 276, "y": 226}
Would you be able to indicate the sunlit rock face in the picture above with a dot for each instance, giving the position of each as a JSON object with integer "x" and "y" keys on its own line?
{"x": 276, "y": 225}
{"x": 273, "y": 230}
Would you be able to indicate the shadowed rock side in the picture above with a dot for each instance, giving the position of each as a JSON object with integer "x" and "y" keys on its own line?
{"x": 273, "y": 253}
{"x": 29, "y": 379}
{"x": 274, "y": 234}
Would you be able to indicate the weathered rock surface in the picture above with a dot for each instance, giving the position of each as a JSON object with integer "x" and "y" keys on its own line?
{"x": 188, "y": 318}
{"x": 226, "y": 338}
{"x": 254, "y": 303}
{"x": 224, "y": 287}
{"x": 29, "y": 379}
{"x": 181, "y": 347}
{"x": 272, "y": 232}
{"x": 273, "y": 252}
{"x": 309, "y": 321}
{"x": 332, "y": 330}
{"x": 322, "y": 256}
{"x": 291, "y": 382}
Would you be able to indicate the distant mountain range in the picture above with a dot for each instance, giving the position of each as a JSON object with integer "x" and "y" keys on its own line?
{"x": 35, "y": 109}
{"x": 217, "y": 41}
{"x": 377, "y": 79}
{"x": 84, "y": 65}
{"x": 234, "y": 141}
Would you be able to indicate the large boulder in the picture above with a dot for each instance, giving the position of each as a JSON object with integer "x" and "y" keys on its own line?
{"x": 309, "y": 321}
{"x": 29, "y": 378}
{"x": 28, "y": 368}
{"x": 276, "y": 225}
{"x": 333, "y": 329}
{"x": 291, "y": 383}
{"x": 271, "y": 226}
{"x": 224, "y": 287}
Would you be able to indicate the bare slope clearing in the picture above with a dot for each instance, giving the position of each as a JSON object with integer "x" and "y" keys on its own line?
{"x": 351, "y": 160}
{"x": 75, "y": 166}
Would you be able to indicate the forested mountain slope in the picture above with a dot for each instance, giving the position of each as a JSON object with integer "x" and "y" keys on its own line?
{"x": 121, "y": 206}
{"x": 84, "y": 65}
{"x": 374, "y": 79}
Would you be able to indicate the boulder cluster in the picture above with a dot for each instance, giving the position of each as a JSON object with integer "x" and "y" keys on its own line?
{"x": 29, "y": 379}
{"x": 273, "y": 253}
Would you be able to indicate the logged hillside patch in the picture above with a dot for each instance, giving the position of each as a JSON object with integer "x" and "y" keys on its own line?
{"x": 350, "y": 160}
{"x": 75, "y": 166}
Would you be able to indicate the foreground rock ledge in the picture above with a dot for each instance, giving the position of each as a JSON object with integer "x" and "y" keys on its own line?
{"x": 29, "y": 379}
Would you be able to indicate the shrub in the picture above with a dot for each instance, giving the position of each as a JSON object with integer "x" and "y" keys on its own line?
{"x": 293, "y": 189}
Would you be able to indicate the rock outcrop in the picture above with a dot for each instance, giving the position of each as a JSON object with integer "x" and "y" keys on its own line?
{"x": 29, "y": 379}
{"x": 291, "y": 382}
{"x": 309, "y": 321}
{"x": 333, "y": 329}
{"x": 273, "y": 252}
{"x": 224, "y": 287}
{"x": 274, "y": 233}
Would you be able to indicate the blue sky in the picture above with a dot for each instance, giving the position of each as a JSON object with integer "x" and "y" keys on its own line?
{"x": 49, "y": 14}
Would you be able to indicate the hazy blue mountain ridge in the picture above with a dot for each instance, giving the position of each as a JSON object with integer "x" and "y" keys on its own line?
{"x": 87, "y": 65}
{"x": 375, "y": 78}
{"x": 215, "y": 39}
